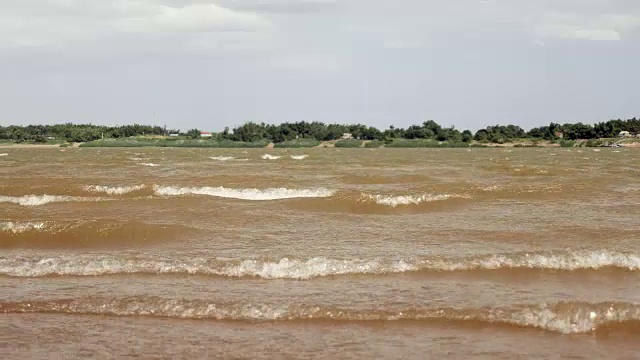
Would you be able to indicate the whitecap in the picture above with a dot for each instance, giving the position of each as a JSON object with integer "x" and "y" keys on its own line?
{"x": 221, "y": 158}
{"x": 401, "y": 200}
{"x": 270, "y": 157}
{"x": 114, "y": 190}
{"x": 244, "y": 194}
{"x": 37, "y": 200}
{"x": 21, "y": 227}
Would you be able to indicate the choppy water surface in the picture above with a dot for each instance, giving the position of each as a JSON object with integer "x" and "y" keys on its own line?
{"x": 322, "y": 253}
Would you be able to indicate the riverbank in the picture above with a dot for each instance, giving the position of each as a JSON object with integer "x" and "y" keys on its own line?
{"x": 399, "y": 143}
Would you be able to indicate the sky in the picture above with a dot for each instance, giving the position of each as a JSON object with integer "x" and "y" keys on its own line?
{"x": 216, "y": 63}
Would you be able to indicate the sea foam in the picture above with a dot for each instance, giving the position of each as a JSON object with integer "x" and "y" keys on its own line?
{"x": 244, "y": 194}
{"x": 113, "y": 190}
{"x": 270, "y": 157}
{"x": 222, "y": 158}
{"x": 38, "y": 200}
{"x": 21, "y": 227}
{"x": 403, "y": 200}
{"x": 571, "y": 317}
{"x": 285, "y": 268}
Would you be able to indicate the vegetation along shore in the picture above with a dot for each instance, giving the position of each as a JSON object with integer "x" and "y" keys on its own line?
{"x": 316, "y": 134}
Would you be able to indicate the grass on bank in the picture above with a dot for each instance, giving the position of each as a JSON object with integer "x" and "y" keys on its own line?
{"x": 191, "y": 143}
{"x": 349, "y": 143}
{"x": 374, "y": 144}
{"x": 298, "y": 143}
{"x": 422, "y": 143}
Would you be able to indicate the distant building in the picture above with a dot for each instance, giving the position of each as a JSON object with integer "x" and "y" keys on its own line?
{"x": 624, "y": 134}
{"x": 347, "y": 136}
{"x": 174, "y": 135}
{"x": 205, "y": 134}
{"x": 559, "y": 134}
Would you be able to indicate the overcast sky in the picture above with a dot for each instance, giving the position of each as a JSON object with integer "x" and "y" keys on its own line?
{"x": 216, "y": 63}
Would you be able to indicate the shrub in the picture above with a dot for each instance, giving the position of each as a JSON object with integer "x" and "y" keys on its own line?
{"x": 298, "y": 143}
{"x": 425, "y": 143}
{"x": 351, "y": 143}
{"x": 374, "y": 144}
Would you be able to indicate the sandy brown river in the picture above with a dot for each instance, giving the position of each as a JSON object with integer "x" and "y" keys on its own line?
{"x": 320, "y": 253}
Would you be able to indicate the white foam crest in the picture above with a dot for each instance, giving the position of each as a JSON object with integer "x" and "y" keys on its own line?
{"x": 244, "y": 194}
{"x": 563, "y": 318}
{"x": 222, "y": 158}
{"x": 114, "y": 190}
{"x": 304, "y": 269}
{"x": 4, "y": 154}
{"x": 402, "y": 200}
{"x": 37, "y": 200}
{"x": 573, "y": 318}
{"x": 283, "y": 269}
{"x": 316, "y": 267}
{"x": 299, "y": 157}
{"x": 21, "y": 227}
{"x": 270, "y": 157}
{"x": 149, "y": 164}
{"x": 569, "y": 261}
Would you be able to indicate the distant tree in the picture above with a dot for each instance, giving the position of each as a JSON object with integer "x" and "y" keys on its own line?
{"x": 467, "y": 136}
{"x": 193, "y": 134}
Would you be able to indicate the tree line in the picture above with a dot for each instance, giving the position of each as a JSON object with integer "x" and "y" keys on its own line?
{"x": 75, "y": 132}
{"x": 252, "y": 132}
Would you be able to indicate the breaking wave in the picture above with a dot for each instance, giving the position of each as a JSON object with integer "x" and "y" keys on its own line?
{"x": 4, "y": 154}
{"x": 149, "y": 164}
{"x": 244, "y": 194}
{"x": 114, "y": 190}
{"x": 270, "y": 157}
{"x": 563, "y": 317}
{"x": 38, "y": 200}
{"x": 299, "y": 157}
{"x": 21, "y": 227}
{"x": 312, "y": 268}
{"x": 403, "y": 200}
{"x": 356, "y": 202}
{"x": 221, "y": 158}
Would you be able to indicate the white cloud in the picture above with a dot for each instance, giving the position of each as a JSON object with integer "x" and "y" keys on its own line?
{"x": 283, "y": 6}
{"x": 193, "y": 18}
{"x": 64, "y": 22}
{"x": 608, "y": 27}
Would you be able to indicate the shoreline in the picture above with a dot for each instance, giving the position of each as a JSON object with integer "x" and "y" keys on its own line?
{"x": 38, "y": 146}
{"x": 330, "y": 145}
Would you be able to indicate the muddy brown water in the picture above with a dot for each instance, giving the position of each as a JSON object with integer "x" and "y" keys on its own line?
{"x": 320, "y": 253}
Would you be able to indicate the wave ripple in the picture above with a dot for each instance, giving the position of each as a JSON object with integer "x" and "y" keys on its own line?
{"x": 564, "y": 317}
